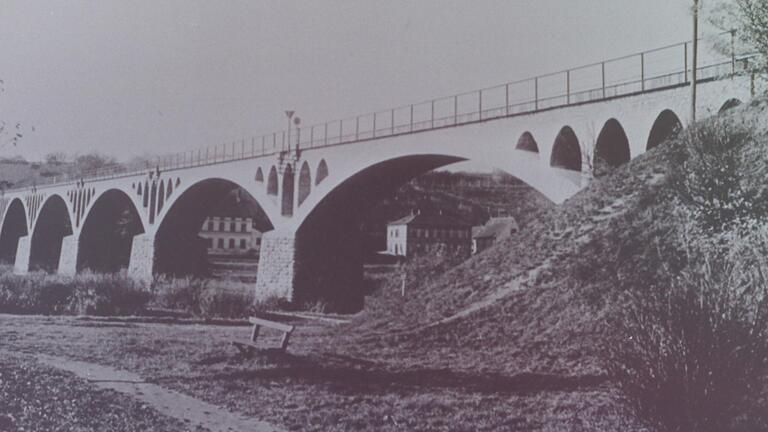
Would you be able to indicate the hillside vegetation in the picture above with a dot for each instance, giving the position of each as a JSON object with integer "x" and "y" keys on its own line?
{"x": 556, "y": 297}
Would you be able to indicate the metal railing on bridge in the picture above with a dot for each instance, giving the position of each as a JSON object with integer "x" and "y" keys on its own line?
{"x": 652, "y": 70}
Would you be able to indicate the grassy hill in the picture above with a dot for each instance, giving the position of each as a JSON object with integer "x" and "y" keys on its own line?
{"x": 548, "y": 301}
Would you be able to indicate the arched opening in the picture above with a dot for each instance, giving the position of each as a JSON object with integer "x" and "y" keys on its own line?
{"x": 213, "y": 229}
{"x": 666, "y": 125}
{"x": 53, "y": 224}
{"x": 305, "y": 182}
{"x": 611, "y": 148}
{"x": 107, "y": 234}
{"x": 729, "y": 105}
{"x": 14, "y": 227}
{"x": 322, "y": 172}
{"x": 272, "y": 181}
{"x": 259, "y": 175}
{"x": 566, "y": 152}
{"x": 161, "y": 197}
{"x": 329, "y": 242}
{"x": 527, "y": 142}
{"x": 287, "y": 202}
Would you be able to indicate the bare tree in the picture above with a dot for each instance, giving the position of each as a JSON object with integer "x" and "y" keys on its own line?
{"x": 749, "y": 20}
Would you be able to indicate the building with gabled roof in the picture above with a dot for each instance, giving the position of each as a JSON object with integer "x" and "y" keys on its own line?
{"x": 496, "y": 228}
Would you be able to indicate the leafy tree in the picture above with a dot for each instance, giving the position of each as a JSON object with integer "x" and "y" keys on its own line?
{"x": 749, "y": 18}
{"x": 92, "y": 161}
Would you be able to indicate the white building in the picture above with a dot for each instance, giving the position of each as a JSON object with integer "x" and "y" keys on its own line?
{"x": 231, "y": 235}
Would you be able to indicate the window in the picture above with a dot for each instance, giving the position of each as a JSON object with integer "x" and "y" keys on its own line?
{"x": 231, "y": 243}
{"x": 210, "y": 225}
{"x": 242, "y": 244}
{"x": 219, "y": 226}
{"x": 243, "y": 227}
{"x": 232, "y": 226}
{"x": 221, "y": 243}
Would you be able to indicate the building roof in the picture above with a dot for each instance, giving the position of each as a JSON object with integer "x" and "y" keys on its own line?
{"x": 494, "y": 227}
{"x": 432, "y": 220}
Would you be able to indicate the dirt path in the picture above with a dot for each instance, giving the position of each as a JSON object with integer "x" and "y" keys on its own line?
{"x": 194, "y": 412}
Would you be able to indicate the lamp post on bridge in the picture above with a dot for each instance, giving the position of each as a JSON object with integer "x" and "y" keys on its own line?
{"x": 695, "y": 60}
{"x": 289, "y": 114}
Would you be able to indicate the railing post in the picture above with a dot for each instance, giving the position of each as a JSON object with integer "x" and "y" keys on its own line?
{"x": 455, "y": 109}
{"x": 312, "y": 136}
{"x": 326, "y": 134}
{"x": 274, "y": 141}
{"x": 411, "y": 129}
{"x": 506, "y": 99}
{"x": 642, "y": 71}
{"x": 602, "y": 66}
{"x": 733, "y": 52}
{"x": 263, "y": 144}
{"x": 357, "y": 128}
{"x": 341, "y": 130}
{"x": 685, "y": 60}
{"x": 568, "y": 87}
{"x": 432, "y": 116}
{"x": 536, "y": 94}
{"x": 480, "y": 105}
{"x": 374, "y": 125}
{"x": 392, "y": 121}
{"x": 242, "y": 148}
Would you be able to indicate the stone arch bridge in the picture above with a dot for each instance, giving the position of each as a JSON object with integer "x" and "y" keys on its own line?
{"x": 314, "y": 187}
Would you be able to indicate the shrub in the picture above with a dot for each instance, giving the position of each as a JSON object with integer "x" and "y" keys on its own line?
{"x": 107, "y": 294}
{"x": 179, "y": 293}
{"x": 231, "y": 302}
{"x": 693, "y": 355}
{"x": 40, "y": 293}
{"x": 205, "y": 298}
{"x": 712, "y": 177}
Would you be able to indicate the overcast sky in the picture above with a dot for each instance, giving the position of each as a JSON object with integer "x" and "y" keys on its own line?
{"x": 129, "y": 77}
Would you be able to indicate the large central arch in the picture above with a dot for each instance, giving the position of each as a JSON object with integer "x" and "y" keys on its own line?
{"x": 329, "y": 243}
{"x": 107, "y": 234}
{"x": 52, "y": 225}
{"x": 14, "y": 227}
{"x": 179, "y": 250}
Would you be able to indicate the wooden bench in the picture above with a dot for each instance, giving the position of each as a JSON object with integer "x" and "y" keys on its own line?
{"x": 248, "y": 347}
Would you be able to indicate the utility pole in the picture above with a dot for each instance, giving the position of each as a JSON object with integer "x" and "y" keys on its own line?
{"x": 695, "y": 59}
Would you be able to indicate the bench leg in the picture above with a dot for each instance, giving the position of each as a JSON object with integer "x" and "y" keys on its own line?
{"x": 255, "y": 332}
{"x": 284, "y": 343}
{"x": 245, "y": 351}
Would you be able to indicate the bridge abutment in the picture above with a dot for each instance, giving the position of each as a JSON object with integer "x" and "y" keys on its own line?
{"x": 23, "y": 253}
{"x": 142, "y": 260}
{"x": 70, "y": 246}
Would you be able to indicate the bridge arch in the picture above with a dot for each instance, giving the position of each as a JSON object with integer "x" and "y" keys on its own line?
{"x": 53, "y": 223}
{"x": 305, "y": 182}
{"x": 322, "y": 171}
{"x": 107, "y": 233}
{"x": 666, "y": 125}
{"x": 14, "y": 227}
{"x": 566, "y": 151}
{"x": 272, "y": 181}
{"x": 612, "y": 146}
{"x": 729, "y": 105}
{"x": 328, "y": 240}
{"x": 179, "y": 250}
{"x": 527, "y": 142}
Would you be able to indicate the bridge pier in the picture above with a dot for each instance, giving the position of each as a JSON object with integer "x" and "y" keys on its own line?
{"x": 70, "y": 246}
{"x": 277, "y": 266}
{"x": 23, "y": 253}
{"x": 142, "y": 260}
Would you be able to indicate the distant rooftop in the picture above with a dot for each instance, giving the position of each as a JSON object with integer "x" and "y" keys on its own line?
{"x": 431, "y": 219}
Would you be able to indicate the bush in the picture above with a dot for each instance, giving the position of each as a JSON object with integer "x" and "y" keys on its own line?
{"x": 694, "y": 355}
{"x": 713, "y": 179}
{"x": 40, "y": 293}
{"x": 107, "y": 294}
{"x": 208, "y": 299}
